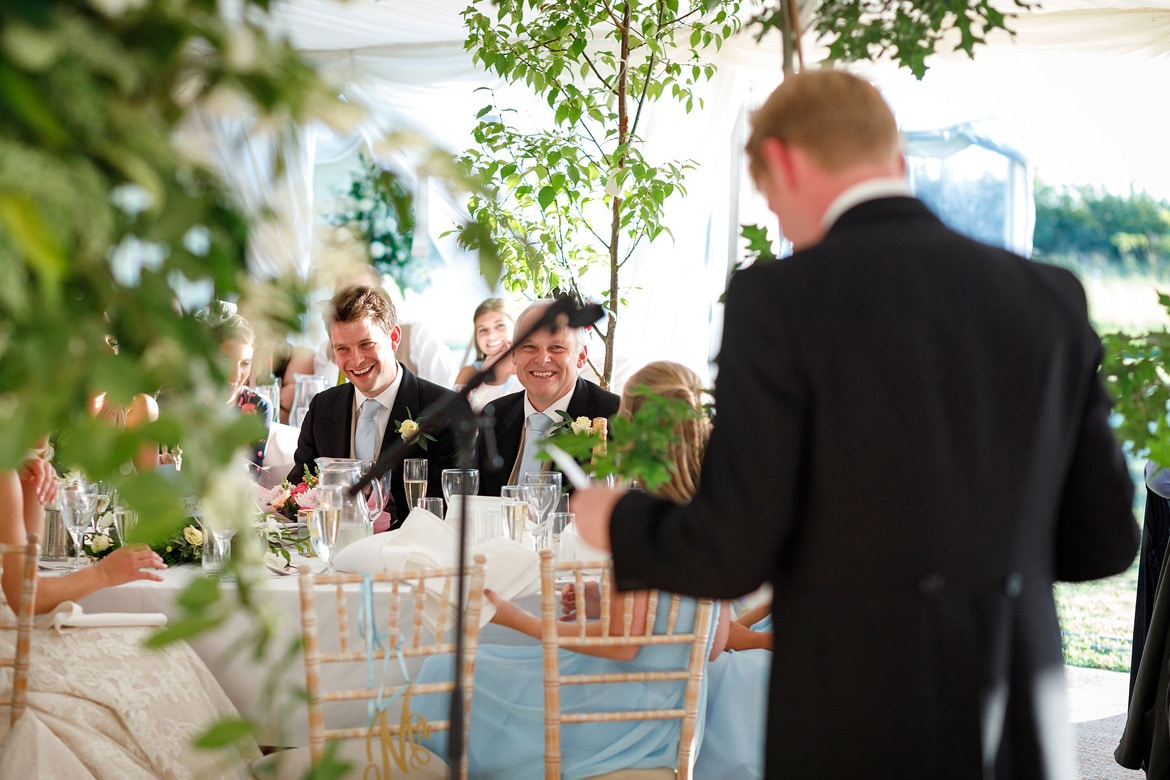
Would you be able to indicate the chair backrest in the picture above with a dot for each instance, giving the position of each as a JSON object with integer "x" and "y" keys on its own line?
{"x": 16, "y": 699}
{"x": 693, "y": 636}
{"x": 400, "y": 618}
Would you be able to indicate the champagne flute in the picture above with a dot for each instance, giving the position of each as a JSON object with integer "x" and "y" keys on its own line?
{"x": 515, "y": 506}
{"x": 326, "y": 519}
{"x": 414, "y": 479}
{"x": 77, "y": 507}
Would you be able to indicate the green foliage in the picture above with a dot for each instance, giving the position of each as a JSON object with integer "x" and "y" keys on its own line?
{"x": 1134, "y": 371}
{"x": 638, "y": 447}
{"x": 906, "y": 31}
{"x": 1131, "y": 231}
{"x": 379, "y": 210}
{"x": 105, "y": 213}
{"x": 598, "y": 66}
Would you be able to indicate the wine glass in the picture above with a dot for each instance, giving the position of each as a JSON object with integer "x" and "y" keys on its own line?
{"x": 541, "y": 497}
{"x": 326, "y": 520}
{"x": 516, "y": 511}
{"x": 77, "y": 506}
{"x": 459, "y": 482}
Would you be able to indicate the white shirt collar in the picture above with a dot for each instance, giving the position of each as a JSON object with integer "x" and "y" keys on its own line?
{"x": 559, "y": 405}
{"x": 870, "y": 189}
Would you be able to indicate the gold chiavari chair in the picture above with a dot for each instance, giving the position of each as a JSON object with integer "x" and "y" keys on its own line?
{"x": 688, "y": 673}
{"x": 399, "y": 619}
{"x": 21, "y": 625}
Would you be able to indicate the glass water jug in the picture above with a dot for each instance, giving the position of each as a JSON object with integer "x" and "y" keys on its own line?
{"x": 357, "y": 512}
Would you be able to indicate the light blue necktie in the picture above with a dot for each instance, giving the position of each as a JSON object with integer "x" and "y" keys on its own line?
{"x": 365, "y": 438}
{"x": 536, "y": 425}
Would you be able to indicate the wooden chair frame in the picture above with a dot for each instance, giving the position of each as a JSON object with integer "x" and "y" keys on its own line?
{"x": 17, "y": 698}
{"x": 552, "y": 641}
{"x": 408, "y": 641}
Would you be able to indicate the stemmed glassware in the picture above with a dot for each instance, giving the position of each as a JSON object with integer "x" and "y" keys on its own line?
{"x": 542, "y": 489}
{"x": 326, "y": 520}
{"x": 459, "y": 482}
{"x": 78, "y": 509}
{"x": 414, "y": 480}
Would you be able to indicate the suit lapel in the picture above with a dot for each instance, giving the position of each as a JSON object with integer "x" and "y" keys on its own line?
{"x": 406, "y": 404}
{"x": 338, "y": 428}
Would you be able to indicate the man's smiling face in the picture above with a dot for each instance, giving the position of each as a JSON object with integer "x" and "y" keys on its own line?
{"x": 547, "y": 364}
{"x": 365, "y": 354}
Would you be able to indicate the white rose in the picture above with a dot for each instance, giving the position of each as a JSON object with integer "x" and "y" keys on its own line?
{"x": 99, "y": 543}
{"x": 408, "y": 428}
{"x": 193, "y": 536}
{"x": 582, "y": 425}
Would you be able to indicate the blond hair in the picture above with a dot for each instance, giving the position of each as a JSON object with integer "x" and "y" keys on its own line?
{"x": 840, "y": 120}
{"x": 673, "y": 380}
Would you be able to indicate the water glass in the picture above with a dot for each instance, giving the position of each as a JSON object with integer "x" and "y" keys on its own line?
{"x": 487, "y": 522}
{"x": 460, "y": 482}
{"x": 217, "y": 550}
{"x": 125, "y": 522}
{"x": 434, "y": 505}
{"x": 515, "y": 508}
{"x": 414, "y": 479}
{"x": 556, "y": 537}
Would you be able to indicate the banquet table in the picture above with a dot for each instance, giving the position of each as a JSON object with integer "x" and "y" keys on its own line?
{"x": 282, "y": 720}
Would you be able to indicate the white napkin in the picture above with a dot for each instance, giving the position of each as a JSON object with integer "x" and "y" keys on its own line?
{"x": 69, "y": 614}
{"x": 425, "y": 541}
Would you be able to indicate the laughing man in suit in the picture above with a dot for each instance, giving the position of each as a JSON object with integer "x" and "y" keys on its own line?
{"x": 363, "y": 334}
{"x": 912, "y": 442}
{"x": 548, "y": 365}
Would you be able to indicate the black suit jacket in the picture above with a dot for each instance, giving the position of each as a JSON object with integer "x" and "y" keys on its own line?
{"x": 327, "y": 428}
{"x": 911, "y": 444}
{"x": 588, "y": 400}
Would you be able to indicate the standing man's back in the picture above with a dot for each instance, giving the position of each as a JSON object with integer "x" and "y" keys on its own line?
{"x": 911, "y": 444}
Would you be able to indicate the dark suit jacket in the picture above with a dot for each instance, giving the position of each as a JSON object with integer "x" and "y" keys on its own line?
{"x": 911, "y": 443}
{"x": 588, "y": 400}
{"x": 326, "y": 432}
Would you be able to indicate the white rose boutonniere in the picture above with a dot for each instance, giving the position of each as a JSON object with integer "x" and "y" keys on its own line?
{"x": 193, "y": 536}
{"x": 99, "y": 543}
{"x": 581, "y": 426}
{"x": 411, "y": 428}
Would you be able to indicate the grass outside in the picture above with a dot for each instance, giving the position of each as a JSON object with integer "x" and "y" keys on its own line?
{"x": 1096, "y": 620}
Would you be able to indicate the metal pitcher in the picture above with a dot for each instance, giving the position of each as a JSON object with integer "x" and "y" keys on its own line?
{"x": 55, "y": 544}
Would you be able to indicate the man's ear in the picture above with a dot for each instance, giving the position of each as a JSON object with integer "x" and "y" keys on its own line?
{"x": 395, "y": 337}
{"x": 582, "y": 357}
{"x": 777, "y": 157}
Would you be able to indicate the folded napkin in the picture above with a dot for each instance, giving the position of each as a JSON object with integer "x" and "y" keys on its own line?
{"x": 69, "y": 614}
{"x": 425, "y": 541}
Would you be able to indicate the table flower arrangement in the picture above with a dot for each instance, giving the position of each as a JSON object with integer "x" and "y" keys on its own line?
{"x": 281, "y": 508}
{"x": 183, "y": 546}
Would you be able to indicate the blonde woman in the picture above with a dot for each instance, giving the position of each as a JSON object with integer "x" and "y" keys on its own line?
{"x": 491, "y": 338}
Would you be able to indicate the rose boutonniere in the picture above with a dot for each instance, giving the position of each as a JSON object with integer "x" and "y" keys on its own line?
{"x": 410, "y": 428}
{"x": 595, "y": 429}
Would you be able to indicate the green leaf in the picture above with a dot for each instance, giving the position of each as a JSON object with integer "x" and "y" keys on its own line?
{"x": 546, "y": 196}
{"x": 225, "y": 732}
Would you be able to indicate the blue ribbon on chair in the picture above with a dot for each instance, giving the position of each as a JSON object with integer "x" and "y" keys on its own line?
{"x": 368, "y": 630}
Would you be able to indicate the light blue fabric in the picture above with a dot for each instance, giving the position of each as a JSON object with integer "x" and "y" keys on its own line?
{"x": 365, "y": 438}
{"x": 507, "y": 710}
{"x": 737, "y": 706}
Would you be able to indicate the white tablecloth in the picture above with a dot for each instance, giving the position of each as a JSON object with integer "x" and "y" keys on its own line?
{"x": 283, "y": 719}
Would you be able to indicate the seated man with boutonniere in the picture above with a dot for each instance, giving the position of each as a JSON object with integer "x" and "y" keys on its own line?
{"x": 548, "y": 365}
{"x": 381, "y": 403}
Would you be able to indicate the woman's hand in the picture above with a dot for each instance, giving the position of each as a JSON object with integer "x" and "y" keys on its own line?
{"x": 38, "y": 476}
{"x": 130, "y": 563}
{"x": 592, "y": 601}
